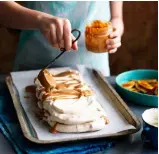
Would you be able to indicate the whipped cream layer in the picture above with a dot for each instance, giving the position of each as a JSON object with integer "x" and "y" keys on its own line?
{"x": 70, "y": 106}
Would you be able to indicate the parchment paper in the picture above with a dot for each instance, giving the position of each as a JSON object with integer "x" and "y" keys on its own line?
{"x": 25, "y": 78}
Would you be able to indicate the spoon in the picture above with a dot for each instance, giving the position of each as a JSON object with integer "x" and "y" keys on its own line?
{"x": 63, "y": 50}
{"x": 44, "y": 76}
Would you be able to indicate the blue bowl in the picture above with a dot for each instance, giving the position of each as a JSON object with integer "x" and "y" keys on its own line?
{"x": 150, "y": 131}
{"x": 135, "y": 97}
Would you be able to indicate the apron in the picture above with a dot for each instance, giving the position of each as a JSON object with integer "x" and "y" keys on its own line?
{"x": 34, "y": 52}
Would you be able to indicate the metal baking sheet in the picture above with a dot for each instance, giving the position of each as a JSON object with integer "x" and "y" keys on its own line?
{"x": 122, "y": 120}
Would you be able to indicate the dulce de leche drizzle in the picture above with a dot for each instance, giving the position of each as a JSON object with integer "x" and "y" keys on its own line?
{"x": 30, "y": 89}
{"x": 46, "y": 79}
{"x": 67, "y": 85}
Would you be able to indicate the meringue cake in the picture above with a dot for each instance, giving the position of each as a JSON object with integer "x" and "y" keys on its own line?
{"x": 68, "y": 104}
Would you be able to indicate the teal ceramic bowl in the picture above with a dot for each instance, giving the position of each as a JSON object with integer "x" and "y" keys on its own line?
{"x": 138, "y": 98}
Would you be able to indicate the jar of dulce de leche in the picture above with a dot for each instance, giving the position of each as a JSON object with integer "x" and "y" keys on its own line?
{"x": 96, "y": 35}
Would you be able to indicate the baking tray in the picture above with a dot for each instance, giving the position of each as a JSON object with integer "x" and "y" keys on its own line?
{"x": 107, "y": 91}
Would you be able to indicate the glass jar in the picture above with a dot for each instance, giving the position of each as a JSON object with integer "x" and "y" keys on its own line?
{"x": 96, "y": 35}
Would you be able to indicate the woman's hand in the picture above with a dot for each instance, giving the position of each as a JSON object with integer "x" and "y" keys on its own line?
{"x": 57, "y": 31}
{"x": 115, "y": 38}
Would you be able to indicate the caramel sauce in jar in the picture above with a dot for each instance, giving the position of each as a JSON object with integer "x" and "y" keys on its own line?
{"x": 96, "y": 35}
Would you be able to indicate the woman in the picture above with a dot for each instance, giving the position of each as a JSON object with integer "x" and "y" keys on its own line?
{"x": 43, "y": 31}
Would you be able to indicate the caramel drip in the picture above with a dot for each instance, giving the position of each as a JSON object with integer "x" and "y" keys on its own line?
{"x": 66, "y": 73}
{"x": 44, "y": 96}
{"x": 42, "y": 89}
{"x": 65, "y": 92}
{"x": 64, "y": 97}
{"x": 53, "y": 129}
{"x": 30, "y": 89}
{"x": 61, "y": 86}
{"x": 105, "y": 119}
{"x": 68, "y": 86}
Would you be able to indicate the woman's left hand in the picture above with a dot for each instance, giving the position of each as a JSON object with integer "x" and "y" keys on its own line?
{"x": 114, "y": 41}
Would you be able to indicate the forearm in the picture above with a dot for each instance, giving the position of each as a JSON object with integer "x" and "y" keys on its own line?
{"x": 16, "y": 16}
{"x": 116, "y": 8}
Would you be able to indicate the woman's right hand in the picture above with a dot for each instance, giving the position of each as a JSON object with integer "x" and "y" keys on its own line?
{"x": 57, "y": 31}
